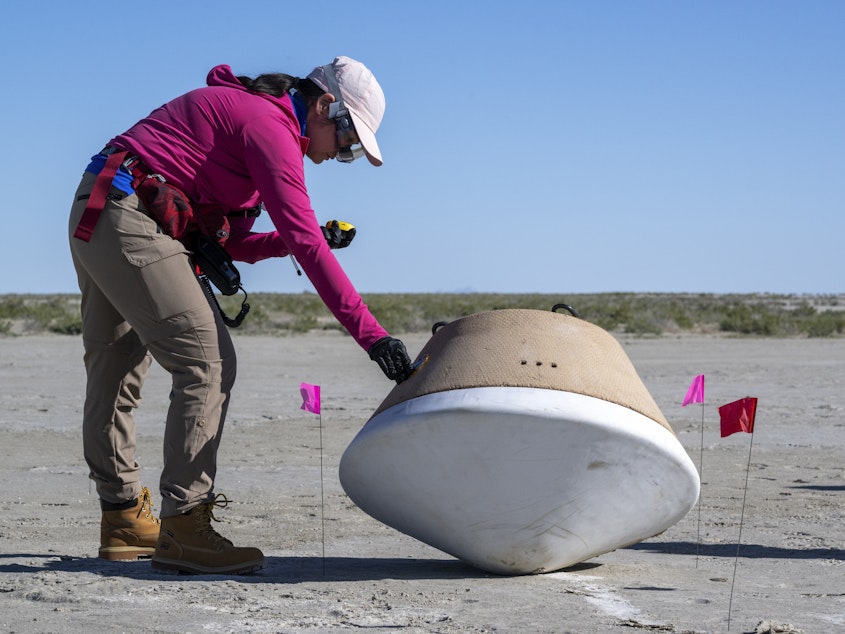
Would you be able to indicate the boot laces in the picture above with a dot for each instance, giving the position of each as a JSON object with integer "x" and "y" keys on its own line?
{"x": 206, "y": 514}
{"x": 147, "y": 506}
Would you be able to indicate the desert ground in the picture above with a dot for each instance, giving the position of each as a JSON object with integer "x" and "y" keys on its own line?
{"x": 766, "y": 557}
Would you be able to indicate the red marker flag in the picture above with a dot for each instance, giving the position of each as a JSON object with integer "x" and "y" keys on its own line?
{"x": 310, "y": 397}
{"x": 695, "y": 393}
{"x": 738, "y": 416}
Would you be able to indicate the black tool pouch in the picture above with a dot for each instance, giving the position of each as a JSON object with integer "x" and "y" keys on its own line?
{"x": 216, "y": 267}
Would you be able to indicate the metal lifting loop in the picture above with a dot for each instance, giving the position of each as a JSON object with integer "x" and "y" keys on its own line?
{"x": 437, "y": 326}
{"x": 571, "y": 310}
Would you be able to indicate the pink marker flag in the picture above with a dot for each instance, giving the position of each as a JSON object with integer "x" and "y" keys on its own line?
{"x": 695, "y": 393}
{"x": 738, "y": 416}
{"x": 310, "y": 397}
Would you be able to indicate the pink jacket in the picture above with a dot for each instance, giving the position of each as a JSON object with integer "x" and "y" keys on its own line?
{"x": 223, "y": 144}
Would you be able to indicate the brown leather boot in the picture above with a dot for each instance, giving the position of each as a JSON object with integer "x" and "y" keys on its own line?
{"x": 188, "y": 543}
{"x": 128, "y": 534}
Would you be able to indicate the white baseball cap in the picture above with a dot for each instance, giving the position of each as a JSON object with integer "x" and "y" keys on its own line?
{"x": 363, "y": 98}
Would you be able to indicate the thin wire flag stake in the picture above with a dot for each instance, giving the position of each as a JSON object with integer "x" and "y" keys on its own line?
{"x": 695, "y": 394}
{"x": 734, "y": 417}
{"x": 311, "y": 403}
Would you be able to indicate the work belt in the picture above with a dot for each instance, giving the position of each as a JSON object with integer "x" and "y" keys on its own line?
{"x": 252, "y": 212}
{"x": 210, "y": 259}
{"x": 100, "y": 192}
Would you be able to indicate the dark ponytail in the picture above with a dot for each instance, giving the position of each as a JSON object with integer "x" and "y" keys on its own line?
{"x": 278, "y": 84}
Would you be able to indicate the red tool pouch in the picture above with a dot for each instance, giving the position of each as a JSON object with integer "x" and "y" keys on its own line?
{"x": 167, "y": 205}
{"x": 171, "y": 209}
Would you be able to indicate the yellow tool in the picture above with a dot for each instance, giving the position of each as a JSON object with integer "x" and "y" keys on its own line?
{"x": 343, "y": 226}
{"x": 347, "y": 232}
{"x": 339, "y": 233}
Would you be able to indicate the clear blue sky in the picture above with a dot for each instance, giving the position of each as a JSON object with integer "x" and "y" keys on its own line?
{"x": 535, "y": 146}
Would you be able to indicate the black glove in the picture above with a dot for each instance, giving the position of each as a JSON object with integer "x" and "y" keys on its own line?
{"x": 336, "y": 237}
{"x": 392, "y": 358}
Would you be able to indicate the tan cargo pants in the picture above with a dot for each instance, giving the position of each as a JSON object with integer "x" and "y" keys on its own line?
{"x": 141, "y": 301}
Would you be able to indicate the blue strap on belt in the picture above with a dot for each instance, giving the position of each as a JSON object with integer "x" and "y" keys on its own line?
{"x": 122, "y": 179}
{"x": 97, "y": 199}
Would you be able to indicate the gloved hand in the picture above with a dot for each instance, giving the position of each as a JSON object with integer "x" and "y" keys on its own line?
{"x": 392, "y": 358}
{"x": 338, "y": 234}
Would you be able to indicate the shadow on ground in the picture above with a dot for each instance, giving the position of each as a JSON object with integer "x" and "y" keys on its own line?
{"x": 276, "y": 569}
{"x": 750, "y": 551}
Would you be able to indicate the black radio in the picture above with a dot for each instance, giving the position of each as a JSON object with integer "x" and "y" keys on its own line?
{"x": 216, "y": 264}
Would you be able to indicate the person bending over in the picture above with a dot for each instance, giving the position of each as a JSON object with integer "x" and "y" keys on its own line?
{"x": 205, "y": 164}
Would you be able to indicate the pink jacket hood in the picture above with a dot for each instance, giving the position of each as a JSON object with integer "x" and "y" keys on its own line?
{"x": 222, "y": 75}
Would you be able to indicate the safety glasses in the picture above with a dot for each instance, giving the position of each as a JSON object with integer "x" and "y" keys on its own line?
{"x": 348, "y": 144}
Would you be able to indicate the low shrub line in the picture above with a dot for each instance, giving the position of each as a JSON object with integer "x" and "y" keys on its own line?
{"x": 758, "y": 314}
